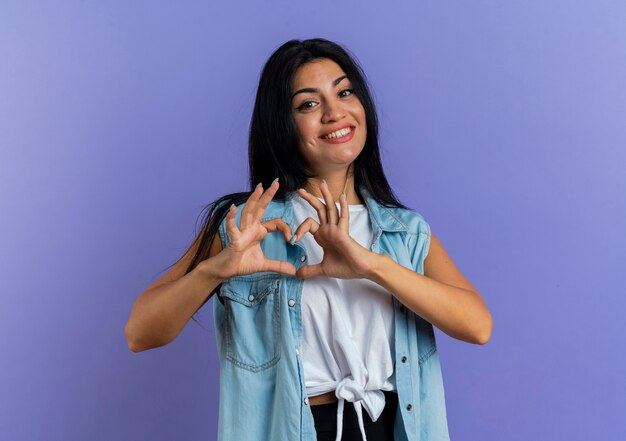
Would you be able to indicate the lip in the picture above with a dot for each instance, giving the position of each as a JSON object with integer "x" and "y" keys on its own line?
{"x": 341, "y": 140}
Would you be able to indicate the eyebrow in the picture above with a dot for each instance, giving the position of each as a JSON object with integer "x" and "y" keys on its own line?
{"x": 315, "y": 90}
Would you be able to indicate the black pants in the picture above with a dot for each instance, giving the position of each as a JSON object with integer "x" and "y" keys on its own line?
{"x": 325, "y": 418}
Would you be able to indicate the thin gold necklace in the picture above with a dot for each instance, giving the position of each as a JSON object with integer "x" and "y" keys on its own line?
{"x": 345, "y": 185}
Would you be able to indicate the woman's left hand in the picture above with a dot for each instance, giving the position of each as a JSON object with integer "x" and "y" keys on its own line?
{"x": 344, "y": 257}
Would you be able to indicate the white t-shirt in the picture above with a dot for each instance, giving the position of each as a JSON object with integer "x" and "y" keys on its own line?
{"x": 348, "y": 327}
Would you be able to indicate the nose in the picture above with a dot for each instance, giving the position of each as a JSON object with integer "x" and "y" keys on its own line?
{"x": 333, "y": 111}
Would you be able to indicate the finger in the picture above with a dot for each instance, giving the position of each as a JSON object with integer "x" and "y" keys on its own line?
{"x": 331, "y": 207}
{"x": 249, "y": 207}
{"x": 231, "y": 227}
{"x": 308, "y": 271}
{"x": 309, "y": 225}
{"x": 344, "y": 219}
{"x": 315, "y": 203}
{"x": 265, "y": 199}
{"x": 278, "y": 225}
{"x": 279, "y": 266}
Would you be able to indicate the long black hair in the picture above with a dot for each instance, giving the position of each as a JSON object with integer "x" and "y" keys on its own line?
{"x": 273, "y": 143}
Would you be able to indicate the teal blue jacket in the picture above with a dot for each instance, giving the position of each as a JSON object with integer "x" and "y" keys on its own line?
{"x": 258, "y": 325}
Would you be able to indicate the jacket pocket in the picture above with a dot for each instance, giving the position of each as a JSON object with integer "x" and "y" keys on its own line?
{"x": 252, "y": 321}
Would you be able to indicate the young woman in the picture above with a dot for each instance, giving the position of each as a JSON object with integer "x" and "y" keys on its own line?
{"x": 345, "y": 313}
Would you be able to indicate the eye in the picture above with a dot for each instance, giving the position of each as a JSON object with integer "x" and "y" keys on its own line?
{"x": 346, "y": 92}
{"x": 307, "y": 105}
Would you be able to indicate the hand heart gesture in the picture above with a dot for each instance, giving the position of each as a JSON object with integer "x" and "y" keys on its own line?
{"x": 344, "y": 257}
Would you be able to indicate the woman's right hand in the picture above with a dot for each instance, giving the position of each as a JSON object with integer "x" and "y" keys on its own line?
{"x": 244, "y": 254}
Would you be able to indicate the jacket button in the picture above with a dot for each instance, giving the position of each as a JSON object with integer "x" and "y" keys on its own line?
{"x": 306, "y": 400}
{"x": 292, "y": 302}
{"x": 303, "y": 258}
{"x": 404, "y": 359}
{"x": 409, "y": 407}
{"x": 251, "y": 297}
{"x": 402, "y": 308}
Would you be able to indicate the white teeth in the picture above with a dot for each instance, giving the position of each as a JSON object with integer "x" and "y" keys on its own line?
{"x": 338, "y": 133}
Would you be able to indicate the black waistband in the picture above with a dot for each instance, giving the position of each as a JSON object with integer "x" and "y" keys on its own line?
{"x": 325, "y": 415}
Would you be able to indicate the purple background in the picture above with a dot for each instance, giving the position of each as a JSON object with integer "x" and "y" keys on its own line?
{"x": 503, "y": 124}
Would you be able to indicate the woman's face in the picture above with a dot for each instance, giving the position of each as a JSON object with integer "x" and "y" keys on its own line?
{"x": 330, "y": 117}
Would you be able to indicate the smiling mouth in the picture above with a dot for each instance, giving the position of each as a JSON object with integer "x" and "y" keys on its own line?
{"x": 339, "y": 133}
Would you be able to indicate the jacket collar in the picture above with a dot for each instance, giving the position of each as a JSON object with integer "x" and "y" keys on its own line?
{"x": 382, "y": 218}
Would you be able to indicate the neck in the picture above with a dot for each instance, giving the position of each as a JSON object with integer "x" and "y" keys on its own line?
{"x": 337, "y": 183}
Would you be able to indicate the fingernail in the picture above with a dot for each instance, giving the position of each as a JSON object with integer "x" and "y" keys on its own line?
{"x": 303, "y": 190}
{"x": 274, "y": 181}
{"x": 259, "y": 185}
{"x": 293, "y": 238}
{"x": 325, "y": 183}
{"x": 344, "y": 195}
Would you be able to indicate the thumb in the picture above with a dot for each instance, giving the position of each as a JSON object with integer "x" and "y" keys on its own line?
{"x": 308, "y": 271}
{"x": 279, "y": 266}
